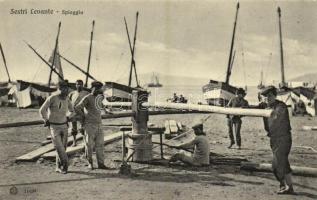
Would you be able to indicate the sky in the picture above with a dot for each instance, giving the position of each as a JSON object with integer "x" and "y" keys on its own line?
{"x": 183, "y": 38}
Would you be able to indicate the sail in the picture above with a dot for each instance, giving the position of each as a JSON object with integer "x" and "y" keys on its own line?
{"x": 57, "y": 62}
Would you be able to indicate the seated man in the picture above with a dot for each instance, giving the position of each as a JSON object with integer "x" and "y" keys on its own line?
{"x": 201, "y": 153}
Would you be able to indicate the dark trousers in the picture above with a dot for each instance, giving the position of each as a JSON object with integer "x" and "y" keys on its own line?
{"x": 281, "y": 148}
{"x": 235, "y": 124}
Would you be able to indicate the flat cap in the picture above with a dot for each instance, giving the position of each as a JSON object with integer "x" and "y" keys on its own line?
{"x": 96, "y": 84}
{"x": 241, "y": 91}
{"x": 198, "y": 126}
{"x": 62, "y": 83}
{"x": 269, "y": 89}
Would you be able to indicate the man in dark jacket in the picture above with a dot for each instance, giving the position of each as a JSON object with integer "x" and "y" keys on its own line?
{"x": 279, "y": 130}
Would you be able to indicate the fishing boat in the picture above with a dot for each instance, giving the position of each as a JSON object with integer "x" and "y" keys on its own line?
{"x": 219, "y": 93}
{"x": 154, "y": 81}
{"x": 292, "y": 96}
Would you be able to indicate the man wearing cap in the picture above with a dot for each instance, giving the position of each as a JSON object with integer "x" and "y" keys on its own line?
{"x": 279, "y": 130}
{"x": 55, "y": 112}
{"x": 94, "y": 136}
{"x": 201, "y": 147}
{"x": 76, "y": 96}
{"x": 234, "y": 121}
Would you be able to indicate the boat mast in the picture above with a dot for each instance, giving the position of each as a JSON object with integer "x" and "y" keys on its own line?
{"x": 231, "y": 48}
{"x": 89, "y": 55}
{"x": 132, "y": 49}
{"x": 5, "y": 63}
{"x": 281, "y": 46}
{"x": 54, "y": 55}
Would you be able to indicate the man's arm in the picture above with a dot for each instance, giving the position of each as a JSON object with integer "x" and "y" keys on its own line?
{"x": 44, "y": 110}
{"x": 188, "y": 145}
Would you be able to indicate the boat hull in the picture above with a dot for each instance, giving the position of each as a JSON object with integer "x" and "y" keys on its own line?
{"x": 218, "y": 93}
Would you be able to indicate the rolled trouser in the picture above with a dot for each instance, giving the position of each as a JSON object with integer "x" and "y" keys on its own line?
{"x": 59, "y": 135}
{"x": 94, "y": 138}
{"x": 281, "y": 148}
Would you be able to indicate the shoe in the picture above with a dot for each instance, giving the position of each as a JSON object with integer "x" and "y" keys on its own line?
{"x": 58, "y": 170}
{"x": 103, "y": 167}
{"x": 232, "y": 143}
{"x": 90, "y": 166}
{"x": 63, "y": 171}
{"x": 286, "y": 190}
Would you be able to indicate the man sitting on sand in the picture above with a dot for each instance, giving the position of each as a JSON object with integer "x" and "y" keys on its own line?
{"x": 201, "y": 147}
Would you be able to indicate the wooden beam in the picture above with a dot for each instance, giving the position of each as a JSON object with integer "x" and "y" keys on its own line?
{"x": 42, "y": 150}
{"x": 212, "y": 109}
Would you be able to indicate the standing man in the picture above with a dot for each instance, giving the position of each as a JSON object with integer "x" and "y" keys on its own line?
{"x": 54, "y": 112}
{"x": 279, "y": 130}
{"x": 201, "y": 149}
{"x": 94, "y": 136}
{"x": 234, "y": 121}
{"x": 75, "y": 97}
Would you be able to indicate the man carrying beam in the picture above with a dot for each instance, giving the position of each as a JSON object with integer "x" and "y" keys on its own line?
{"x": 279, "y": 130}
{"x": 94, "y": 136}
{"x": 201, "y": 149}
{"x": 75, "y": 97}
{"x": 234, "y": 121}
{"x": 54, "y": 112}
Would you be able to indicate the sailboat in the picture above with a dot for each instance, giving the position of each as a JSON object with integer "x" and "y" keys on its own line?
{"x": 261, "y": 85}
{"x": 292, "y": 96}
{"x": 154, "y": 81}
{"x": 219, "y": 93}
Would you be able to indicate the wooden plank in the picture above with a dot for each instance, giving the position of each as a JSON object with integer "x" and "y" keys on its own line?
{"x": 80, "y": 147}
{"x": 173, "y": 126}
{"x": 309, "y": 128}
{"x": 167, "y": 127}
{"x": 42, "y": 150}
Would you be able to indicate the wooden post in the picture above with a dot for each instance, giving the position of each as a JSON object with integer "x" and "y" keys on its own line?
{"x": 161, "y": 145}
{"x": 140, "y": 141}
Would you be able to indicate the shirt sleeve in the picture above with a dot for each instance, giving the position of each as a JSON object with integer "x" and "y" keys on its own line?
{"x": 79, "y": 108}
{"x": 44, "y": 109}
{"x": 70, "y": 109}
{"x": 190, "y": 144}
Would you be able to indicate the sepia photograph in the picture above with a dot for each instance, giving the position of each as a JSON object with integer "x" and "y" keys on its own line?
{"x": 158, "y": 99}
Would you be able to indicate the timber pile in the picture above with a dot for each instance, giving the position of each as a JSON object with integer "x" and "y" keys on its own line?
{"x": 172, "y": 128}
{"x": 47, "y": 151}
{"x": 80, "y": 147}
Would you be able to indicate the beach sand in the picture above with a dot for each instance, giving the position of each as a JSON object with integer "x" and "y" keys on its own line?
{"x": 38, "y": 180}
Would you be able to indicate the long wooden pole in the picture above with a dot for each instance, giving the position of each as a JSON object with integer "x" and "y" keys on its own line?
{"x": 53, "y": 69}
{"x": 281, "y": 45}
{"x": 77, "y": 67}
{"x": 54, "y": 55}
{"x": 89, "y": 55}
{"x": 231, "y": 48}
{"x": 266, "y": 167}
{"x": 206, "y": 108}
{"x": 5, "y": 63}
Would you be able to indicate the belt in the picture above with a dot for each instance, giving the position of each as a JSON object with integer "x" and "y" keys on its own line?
{"x": 53, "y": 123}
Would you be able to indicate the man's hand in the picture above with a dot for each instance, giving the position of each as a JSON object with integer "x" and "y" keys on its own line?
{"x": 46, "y": 123}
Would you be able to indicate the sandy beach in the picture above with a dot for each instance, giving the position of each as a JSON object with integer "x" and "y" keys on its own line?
{"x": 38, "y": 180}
